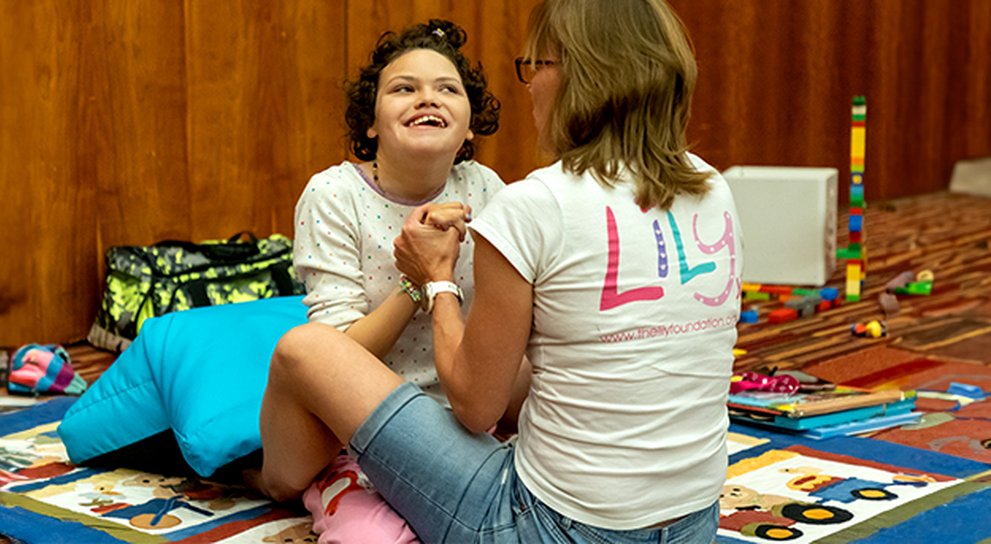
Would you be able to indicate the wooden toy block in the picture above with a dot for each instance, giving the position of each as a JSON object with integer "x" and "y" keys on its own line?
{"x": 756, "y": 295}
{"x": 856, "y": 237}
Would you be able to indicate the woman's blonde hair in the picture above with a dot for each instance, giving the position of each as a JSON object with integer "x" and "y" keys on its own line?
{"x": 627, "y": 77}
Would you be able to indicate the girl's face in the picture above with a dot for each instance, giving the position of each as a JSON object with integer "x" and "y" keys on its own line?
{"x": 543, "y": 88}
{"x": 421, "y": 106}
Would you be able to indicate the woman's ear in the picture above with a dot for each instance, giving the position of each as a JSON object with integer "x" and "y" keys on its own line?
{"x": 470, "y": 135}
{"x": 371, "y": 133}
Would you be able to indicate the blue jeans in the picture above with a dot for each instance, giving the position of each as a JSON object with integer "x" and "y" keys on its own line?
{"x": 454, "y": 486}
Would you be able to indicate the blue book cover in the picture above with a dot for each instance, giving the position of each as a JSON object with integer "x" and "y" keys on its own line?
{"x": 833, "y": 418}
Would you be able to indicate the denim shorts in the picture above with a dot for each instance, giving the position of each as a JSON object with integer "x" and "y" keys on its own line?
{"x": 454, "y": 486}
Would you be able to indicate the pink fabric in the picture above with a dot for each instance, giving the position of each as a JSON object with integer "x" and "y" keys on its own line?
{"x": 347, "y": 509}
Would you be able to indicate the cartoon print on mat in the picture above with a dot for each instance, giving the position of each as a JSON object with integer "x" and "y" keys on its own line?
{"x": 144, "y": 501}
{"x": 771, "y": 516}
{"x": 811, "y": 480}
{"x": 168, "y": 494}
{"x": 294, "y": 534}
{"x": 36, "y": 454}
{"x": 803, "y": 495}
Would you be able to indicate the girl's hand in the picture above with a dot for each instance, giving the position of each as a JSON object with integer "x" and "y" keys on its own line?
{"x": 445, "y": 216}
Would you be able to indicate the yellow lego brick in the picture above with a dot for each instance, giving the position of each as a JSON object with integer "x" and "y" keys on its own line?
{"x": 858, "y": 139}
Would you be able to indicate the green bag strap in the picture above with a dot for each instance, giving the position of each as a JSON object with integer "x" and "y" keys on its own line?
{"x": 197, "y": 293}
{"x": 231, "y": 250}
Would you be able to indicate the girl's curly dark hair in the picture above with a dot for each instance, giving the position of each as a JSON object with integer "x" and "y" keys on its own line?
{"x": 437, "y": 35}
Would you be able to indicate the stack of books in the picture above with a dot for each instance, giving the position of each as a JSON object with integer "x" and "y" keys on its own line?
{"x": 825, "y": 413}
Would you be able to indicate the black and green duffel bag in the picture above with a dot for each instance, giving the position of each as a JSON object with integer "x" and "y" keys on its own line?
{"x": 149, "y": 281}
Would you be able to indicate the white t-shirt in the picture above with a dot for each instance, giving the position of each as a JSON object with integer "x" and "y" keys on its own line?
{"x": 343, "y": 254}
{"x": 634, "y": 322}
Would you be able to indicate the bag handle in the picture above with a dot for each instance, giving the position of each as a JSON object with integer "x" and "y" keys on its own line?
{"x": 230, "y": 250}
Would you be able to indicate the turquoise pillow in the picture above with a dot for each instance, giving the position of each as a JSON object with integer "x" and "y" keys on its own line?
{"x": 200, "y": 373}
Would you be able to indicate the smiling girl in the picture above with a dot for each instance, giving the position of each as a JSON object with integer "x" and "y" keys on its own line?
{"x": 412, "y": 115}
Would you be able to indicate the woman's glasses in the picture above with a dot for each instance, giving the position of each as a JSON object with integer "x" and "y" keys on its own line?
{"x": 527, "y": 68}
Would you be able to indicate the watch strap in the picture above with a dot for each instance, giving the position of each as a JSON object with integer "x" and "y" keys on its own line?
{"x": 434, "y": 288}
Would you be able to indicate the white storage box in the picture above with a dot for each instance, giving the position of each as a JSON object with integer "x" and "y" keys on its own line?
{"x": 788, "y": 216}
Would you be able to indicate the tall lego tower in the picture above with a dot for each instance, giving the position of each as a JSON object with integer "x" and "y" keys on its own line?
{"x": 856, "y": 251}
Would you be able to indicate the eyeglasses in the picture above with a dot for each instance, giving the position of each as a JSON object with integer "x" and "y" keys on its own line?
{"x": 527, "y": 68}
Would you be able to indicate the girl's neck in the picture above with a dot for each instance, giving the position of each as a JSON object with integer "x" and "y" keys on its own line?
{"x": 410, "y": 178}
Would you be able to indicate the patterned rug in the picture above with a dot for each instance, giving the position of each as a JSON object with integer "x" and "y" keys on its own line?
{"x": 786, "y": 488}
{"x": 44, "y": 499}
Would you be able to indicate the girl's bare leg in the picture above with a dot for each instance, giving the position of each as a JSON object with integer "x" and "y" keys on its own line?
{"x": 321, "y": 387}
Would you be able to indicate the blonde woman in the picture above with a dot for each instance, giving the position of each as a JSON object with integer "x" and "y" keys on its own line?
{"x": 615, "y": 270}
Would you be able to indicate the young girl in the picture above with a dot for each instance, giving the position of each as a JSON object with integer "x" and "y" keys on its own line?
{"x": 413, "y": 113}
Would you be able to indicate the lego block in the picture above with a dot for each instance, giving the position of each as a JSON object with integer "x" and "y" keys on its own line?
{"x": 788, "y": 216}
{"x": 856, "y": 223}
{"x": 749, "y": 316}
{"x": 805, "y": 306}
{"x": 918, "y": 288}
{"x": 782, "y": 315}
{"x": 853, "y": 282}
{"x": 829, "y": 293}
{"x": 858, "y": 138}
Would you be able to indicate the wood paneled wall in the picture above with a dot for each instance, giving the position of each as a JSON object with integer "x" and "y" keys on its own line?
{"x": 131, "y": 121}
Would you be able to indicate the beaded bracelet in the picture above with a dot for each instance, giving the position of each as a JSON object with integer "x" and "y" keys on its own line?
{"x": 410, "y": 289}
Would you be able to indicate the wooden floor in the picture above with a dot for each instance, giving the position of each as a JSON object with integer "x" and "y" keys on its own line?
{"x": 945, "y": 233}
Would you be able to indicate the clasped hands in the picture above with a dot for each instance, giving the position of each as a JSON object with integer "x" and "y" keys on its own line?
{"x": 428, "y": 247}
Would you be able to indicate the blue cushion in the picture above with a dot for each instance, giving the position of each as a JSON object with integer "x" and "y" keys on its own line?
{"x": 200, "y": 373}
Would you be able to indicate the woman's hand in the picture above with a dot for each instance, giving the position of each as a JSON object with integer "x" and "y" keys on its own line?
{"x": 427, "y": 252}
{"x": 445, "y": 216}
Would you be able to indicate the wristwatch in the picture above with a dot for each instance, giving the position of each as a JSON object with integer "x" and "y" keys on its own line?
{"x": 434, "y": 288}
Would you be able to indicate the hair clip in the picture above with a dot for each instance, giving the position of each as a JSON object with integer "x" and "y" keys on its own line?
{"x": 438, "y": 32}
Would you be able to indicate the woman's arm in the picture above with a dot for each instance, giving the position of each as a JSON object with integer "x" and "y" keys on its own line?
{"x": 478, "y": 359}
{"x": 338, "y": 282}
{"x": 380, "y": 329}
{"x": 478, "y": 368}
